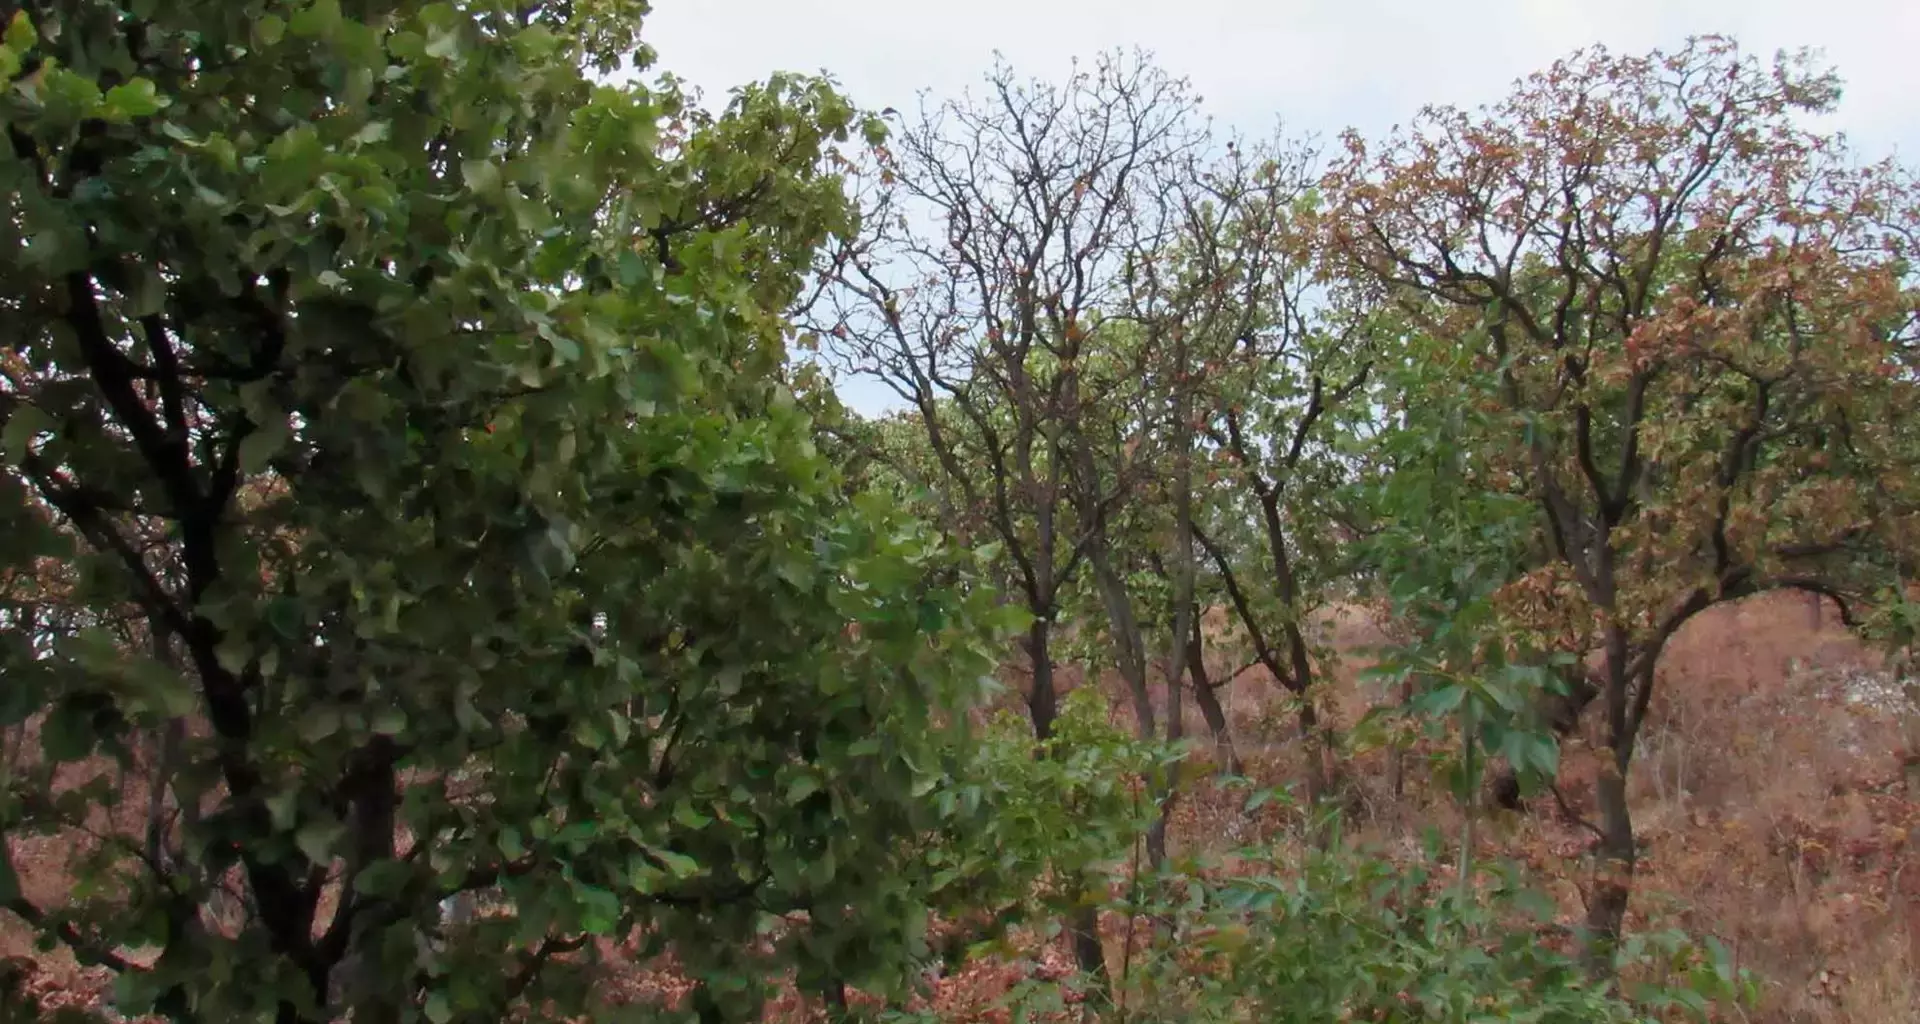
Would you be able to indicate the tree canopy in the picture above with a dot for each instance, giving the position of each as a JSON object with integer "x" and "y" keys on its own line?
{"x": 432, "y": 571}
{"x": 402, "y": 478}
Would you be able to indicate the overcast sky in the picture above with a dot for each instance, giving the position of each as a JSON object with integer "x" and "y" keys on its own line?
{"x": 1320, "y": 65}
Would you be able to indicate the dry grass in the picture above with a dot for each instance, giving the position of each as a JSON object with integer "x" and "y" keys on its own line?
{"x": 1769, "y": 792}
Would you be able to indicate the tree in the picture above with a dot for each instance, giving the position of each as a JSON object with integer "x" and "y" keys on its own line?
{"x": 996, "y": 242}
{"x": 408, "y": 410}
{"x": 1695, "y": 312}
{"x": 1284, "y": 380}
{"x": 1000, "y": 235}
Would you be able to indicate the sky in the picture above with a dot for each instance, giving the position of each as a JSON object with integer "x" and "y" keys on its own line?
{"x": 1317, "y": 66}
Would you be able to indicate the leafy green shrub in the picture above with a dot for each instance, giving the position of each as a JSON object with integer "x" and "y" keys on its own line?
{"x": 1030, "y": 826}
{"x": 1343, "y": 934}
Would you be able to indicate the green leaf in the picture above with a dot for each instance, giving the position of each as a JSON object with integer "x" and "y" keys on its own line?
{"x": 438, "y": 1010}
{"x": 319, "y": 19}
{"x": 680, "y": 866}
{"x": 26, "y": 423}
{"x": 268, "y": 29}
{"x": 482, "y": 176}
{"x": 262, "y": 444}
{"x": 801, "y": 788}
{"x": 599, "y": 909}
{"x": 20, "y": 34}
{"x": 282, "y": 808}
{"x": 317, "y": 838}
{"x": 1441, "y": 700}
{"x": 684, "y": 813}
{"x": 319, "y": 722}
{"x": 389, "y": 721}
{"x": 442, "y": 45}
{"x": 136, "y": 98}
{"x": 384, "y": 879}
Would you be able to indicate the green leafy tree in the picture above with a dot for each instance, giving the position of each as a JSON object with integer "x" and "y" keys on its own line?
{"x": 1278, "y": 412}
{"x": 1699, "y": 317}
{"x": 400, "y": 478}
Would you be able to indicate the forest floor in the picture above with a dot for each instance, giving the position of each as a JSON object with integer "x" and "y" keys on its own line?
{"x": 1772, "y": 790}
{"x": 1769, "y": 792}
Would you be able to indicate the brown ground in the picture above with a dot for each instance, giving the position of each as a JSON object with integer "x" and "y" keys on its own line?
{"x": 1770, "y": 790}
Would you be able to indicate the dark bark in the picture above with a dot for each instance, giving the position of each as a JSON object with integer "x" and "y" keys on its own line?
{"x": 1617, "y": 850}
{"x": 1082, "y": 922}
{"x": 1208, "y": 700}
{"x": 1043, "y": 702}
{"x": 1615, "y": 856}
{"x": 372, "y": 795}
{"x": 1313, "y": 749}
{"x": 1397, "y": 756}
{"x": 1169, "y": 789}
{"x": 1083, "y": 933}
{"x": 1128, "y": 646}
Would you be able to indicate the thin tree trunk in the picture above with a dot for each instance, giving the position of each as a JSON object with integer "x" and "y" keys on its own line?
{"x": 1397, "y": 754}
{"x": 1129, "y": 647}
{"x": 1311, "y": 743}
{"x": 1617, "y": 851}
{"x": 1083, "y": 921}
{"x": 1043, "y": 703}
{"x": 1181, "y": 549}
{"x": 1470, "y": 799}
{"x": 833, "y": 997}
{"x": 373, "y": 805}
{"x": 1225, "y": 756}
{"x": 1170, "y": 787}
{"x": 1083, "y": 934}
{"x": 1613, "y": 882}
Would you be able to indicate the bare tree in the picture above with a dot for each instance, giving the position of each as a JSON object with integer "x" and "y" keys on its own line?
{"x": 1001, "y": 234}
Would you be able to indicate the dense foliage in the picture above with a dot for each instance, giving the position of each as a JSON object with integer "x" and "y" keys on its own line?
{"x": 428, "y": 577}
{"x": 403, "y": 487}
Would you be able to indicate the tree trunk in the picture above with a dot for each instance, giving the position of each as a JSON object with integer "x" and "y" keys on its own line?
{"x": 1083, "y": 921}
{"x": 1043, "y": 703}
{"x": 1083, "y": 933}
{"x": 1616, "y": 852}
{"x": 1316, "y": 740}
{"x": 1397, "y": 754}
{"x": 833, "y": 998}
{"x": 1170, "y": 789}
{"x": 1613, "y": 882}
{"x": 1226, "y": 758}
{"x": 1129, "y": 647}
{"x": 1312, "y": 748}
{"x": 1185, "y": 623}
{"x": 373, "y": 803}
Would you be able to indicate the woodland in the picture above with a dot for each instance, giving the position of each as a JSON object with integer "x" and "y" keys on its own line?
{"x": 1457, "y": 574}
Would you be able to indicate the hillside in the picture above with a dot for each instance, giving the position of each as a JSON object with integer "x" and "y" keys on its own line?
{"x": 1775, "y": 795}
